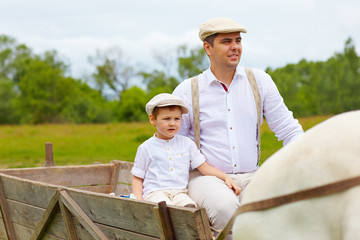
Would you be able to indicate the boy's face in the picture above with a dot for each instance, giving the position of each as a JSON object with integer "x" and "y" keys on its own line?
{"x": 167, "y": 122}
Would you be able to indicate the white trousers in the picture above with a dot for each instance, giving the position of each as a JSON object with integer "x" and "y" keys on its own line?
{"x": 171, "y": 197}
{"x": 215, "y": 196}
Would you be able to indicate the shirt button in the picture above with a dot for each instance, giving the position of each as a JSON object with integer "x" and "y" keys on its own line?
{"x": 234, "y": 165}
{"x": 169, "y": 158}
{"x": 233, "y": 147}
{"x": 229, "y": 110}
{"x": 171, "y": 169}
{"x": 230, "y": 128}
{"x": 168, "y": 148}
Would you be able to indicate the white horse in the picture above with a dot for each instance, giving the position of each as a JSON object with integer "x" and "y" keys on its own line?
{"x": 327, "y": 153}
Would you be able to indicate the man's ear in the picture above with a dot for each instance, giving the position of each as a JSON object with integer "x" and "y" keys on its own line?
{"x": 152, "y": 120}
{"x": 207, "y": 48}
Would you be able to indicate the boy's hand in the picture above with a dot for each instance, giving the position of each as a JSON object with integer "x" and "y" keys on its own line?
{"x": 230, "y": 183}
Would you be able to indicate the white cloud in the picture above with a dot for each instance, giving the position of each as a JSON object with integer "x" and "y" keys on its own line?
{"x": 279, "y": 31}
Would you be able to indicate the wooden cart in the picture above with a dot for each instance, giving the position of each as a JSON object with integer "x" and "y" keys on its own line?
{"x": 72, "y": 202}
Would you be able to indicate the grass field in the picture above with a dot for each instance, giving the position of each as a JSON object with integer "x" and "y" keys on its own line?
{"x": 24, "y": 145}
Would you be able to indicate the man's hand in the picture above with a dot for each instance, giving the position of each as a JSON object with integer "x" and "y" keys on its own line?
{"x": 230, "y": 183}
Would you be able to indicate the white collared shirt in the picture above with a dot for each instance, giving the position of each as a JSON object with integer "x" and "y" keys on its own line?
{"x": 165, "y": 164}
{"x": 228, "y": 119}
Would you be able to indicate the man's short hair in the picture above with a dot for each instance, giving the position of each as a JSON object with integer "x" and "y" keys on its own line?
{"x": 210, "y": 39}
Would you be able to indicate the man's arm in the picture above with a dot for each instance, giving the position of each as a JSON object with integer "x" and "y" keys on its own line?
{"x": 279, "y": 118}
{"x": 206, "y": 169}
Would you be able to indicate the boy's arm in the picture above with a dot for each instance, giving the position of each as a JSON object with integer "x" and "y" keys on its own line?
{"x": 206, "y": 169}
{"x": 137, "y": 187}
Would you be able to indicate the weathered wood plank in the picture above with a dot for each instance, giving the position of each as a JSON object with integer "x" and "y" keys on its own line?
{"x": 24, "y": 233}
{"x": 76, "y": 210}
{"x": 114, "y": 176}
{"x": 3, "y": 234}
{"x": 186, "y": 222}
{"x": 66, "y": 175}
{"x": 121, "y": 234}
{"x": 26, "y": 191}
{"x": 132, "y": 215}
{"x": 29, "y": 216}
{"x": 5, "y": 213}
{"x": 46, "y": 217}
{"x": 203, "y": 225}
{"x": 124, "y": 171}
{"x": 124, "y": 179}
{"x": 115, "y": 216}
{"x": 165, "y": 225}
{"x": 98, "y": 189}
{"x": 123, "y": 189}
{"x": 68, "y": 221}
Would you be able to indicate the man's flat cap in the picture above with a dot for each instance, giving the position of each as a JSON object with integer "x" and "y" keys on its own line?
{"x": 219, "y": 25}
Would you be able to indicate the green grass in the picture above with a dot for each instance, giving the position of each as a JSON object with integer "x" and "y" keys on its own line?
{"x": 24, "y": 145}
{"x": 270, "y": 144}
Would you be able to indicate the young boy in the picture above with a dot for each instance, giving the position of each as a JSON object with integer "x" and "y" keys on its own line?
{"x": 162, "y": 163}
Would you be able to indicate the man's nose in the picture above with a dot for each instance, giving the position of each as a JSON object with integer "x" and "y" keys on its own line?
{"x": 234, "y": 45}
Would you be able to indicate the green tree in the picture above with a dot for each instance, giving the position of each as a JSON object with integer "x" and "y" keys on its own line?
{"x": 157, "y": 79}
{"x": 132, "y": 105}
{"x": 191, "y": 62}
{"x": 8, "y": 95}
{"x": 112, "y": 71}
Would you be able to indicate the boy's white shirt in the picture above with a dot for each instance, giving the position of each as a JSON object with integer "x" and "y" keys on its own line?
{"x": 165, "y": 164}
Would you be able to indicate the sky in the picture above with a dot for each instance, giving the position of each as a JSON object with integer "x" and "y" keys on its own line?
{"x": 279, "y": 31}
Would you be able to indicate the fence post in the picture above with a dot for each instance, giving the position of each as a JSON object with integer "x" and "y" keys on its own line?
{"x": 49, "y": 160}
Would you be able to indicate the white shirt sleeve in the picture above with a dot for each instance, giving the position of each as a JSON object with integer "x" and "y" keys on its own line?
{"x": 140, "y": 163}
{"x": 279, "y": 118}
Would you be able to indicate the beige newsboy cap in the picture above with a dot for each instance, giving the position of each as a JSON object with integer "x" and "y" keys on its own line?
{"x": 163, "y": 100}
{"x": 219, "y": 25}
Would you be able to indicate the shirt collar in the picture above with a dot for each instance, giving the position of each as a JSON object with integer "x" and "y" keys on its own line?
{"x": 163, "y": 141}
{"x": 239, "y": 73}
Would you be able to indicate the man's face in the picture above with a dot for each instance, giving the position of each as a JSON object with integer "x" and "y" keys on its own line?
{"x": 226, "y": 50}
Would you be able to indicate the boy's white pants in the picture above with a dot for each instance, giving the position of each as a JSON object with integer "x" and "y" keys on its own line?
{"x": 171, "y": 197}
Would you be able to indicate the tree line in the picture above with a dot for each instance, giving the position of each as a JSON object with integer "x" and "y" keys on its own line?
{"x": 37, "y": 88}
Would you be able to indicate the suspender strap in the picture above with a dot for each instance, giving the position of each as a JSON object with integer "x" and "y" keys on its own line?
{"x": 195, "y": 106}
{"x": 256, "y": 93}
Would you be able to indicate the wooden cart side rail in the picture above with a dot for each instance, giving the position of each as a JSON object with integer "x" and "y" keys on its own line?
{"x": 102, "y": 178}
{"x": 114, "y": 216}
{"x": 124, "y": 178}
{"x": 86, "y": 175}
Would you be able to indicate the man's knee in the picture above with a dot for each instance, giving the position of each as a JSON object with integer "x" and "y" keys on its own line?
{"x": 223, "y": 210}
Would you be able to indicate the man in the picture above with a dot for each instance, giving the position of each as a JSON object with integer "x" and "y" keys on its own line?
{"x": 228, "y": 119}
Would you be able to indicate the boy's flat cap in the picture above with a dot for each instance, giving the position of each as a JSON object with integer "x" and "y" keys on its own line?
{"x": 163, "y": 100}
{"x": 219, "y": 25}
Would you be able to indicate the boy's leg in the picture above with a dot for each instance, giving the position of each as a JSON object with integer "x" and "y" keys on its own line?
{"x": 214, "y": 195}
{"x": 158, "y": 196}
{"x": 181, "y": 198}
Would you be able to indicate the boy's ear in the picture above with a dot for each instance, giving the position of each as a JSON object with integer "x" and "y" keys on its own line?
{"x": 152, "y": 120}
